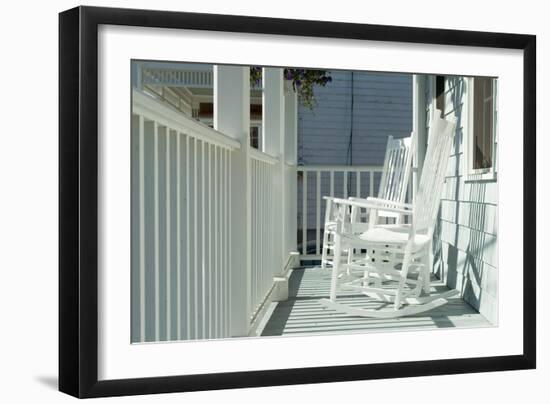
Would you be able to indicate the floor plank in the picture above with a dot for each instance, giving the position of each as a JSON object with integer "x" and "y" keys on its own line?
{"x": 303, "y": 314}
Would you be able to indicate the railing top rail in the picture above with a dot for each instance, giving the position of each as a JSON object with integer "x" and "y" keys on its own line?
{"x": 176, "y": 76}
{"x": 329, "y": 168}
{"x": 165, "y": 115}
{"x": 261, "y": 156}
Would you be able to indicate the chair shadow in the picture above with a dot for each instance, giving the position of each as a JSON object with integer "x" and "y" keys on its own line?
{"x": 306, "y": 314}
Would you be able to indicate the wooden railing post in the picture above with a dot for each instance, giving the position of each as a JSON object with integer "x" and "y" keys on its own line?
{"x": 291, "y": 161}
{"x": 232, "y": 117}
{"x": 273, "y": 123}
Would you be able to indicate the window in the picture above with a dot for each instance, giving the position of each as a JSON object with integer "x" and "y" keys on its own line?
{"x": 255, "y": 136}
{"x": 440, "y": 94}
{"x": 483, "y": 123}
{"x": 481, "y": 136}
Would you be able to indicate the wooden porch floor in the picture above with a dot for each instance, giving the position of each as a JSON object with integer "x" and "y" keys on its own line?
{"x": 302, "y": 313}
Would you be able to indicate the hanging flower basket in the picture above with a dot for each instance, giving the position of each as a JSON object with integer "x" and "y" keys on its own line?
{"x": 303, "y": 82}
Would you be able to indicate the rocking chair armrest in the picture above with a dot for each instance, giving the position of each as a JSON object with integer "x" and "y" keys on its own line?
{"x": 383, "y": 211}
{"x": 386, "y": 202}
{"x": 369, "y": 205}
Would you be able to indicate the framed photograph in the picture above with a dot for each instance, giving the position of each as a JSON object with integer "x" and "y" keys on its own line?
{"x": 251, "y": 201}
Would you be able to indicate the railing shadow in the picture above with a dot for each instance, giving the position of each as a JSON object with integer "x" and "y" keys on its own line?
{"x": 280, "y": 316}
{"x": 303, "y": 314}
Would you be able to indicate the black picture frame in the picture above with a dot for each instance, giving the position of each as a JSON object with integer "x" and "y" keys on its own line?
{"x": 78, "y": 201}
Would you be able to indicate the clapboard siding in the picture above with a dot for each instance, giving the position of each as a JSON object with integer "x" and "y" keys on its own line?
{"x": 465, "y": 242}
{"x": 382, "y": 107}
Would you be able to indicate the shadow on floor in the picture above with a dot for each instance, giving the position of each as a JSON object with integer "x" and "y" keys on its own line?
{"x": 302, "y": 313}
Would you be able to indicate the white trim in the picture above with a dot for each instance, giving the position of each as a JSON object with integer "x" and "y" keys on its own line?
{"x": 261, "y": 156}
{"x": 329, "y": 168}
{"x": 166, "y": 116}
{"x": 420, "y": 105}
{"x": 431, "y": 106}
{"x": 482, "y": 174}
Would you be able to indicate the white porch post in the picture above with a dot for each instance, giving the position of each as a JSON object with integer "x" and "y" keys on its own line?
{"x": 419, "y": 125}
{"x": 273, "y": 121}
{"x": 291, "y": 160}
{"x": 273, "y": 124}
{"x": 138, "y": 75}
{"x": 232, "y": 117}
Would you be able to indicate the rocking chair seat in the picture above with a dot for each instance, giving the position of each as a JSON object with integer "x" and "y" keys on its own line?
{"x": 397, "y": 235}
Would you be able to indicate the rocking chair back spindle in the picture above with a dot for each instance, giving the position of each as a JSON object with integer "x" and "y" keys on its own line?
{"x": 397, "y": 169}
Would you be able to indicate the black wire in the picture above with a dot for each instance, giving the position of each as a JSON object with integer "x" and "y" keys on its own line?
{"x": 349, "y": 156}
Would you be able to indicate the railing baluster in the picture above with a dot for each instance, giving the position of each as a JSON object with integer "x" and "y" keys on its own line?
{"x": 268, "y": 264}
{"x": 318, "y": 214}
{"x": 216, "y": 246}
{"x": 142, "y": 227}
{"x": 168, "y": 238}
{"x": 156, "y": 231}
{"x": 178, "y": 235}
{"x": 229, "y": 252}
{"x": 223, "y": 259}
{"x": 203, "y": 252}
{"x": 345, "y": 184}
{"x": 304, "y": 214}
{"x": 210, "y": 231}
{"x": 371, "y": 183}
{"x": 187, "y": 240}
{"x": 196, "y": 252}
{"x": 268, "y": 277}
{"x": 256, "y": 242}
{"x": 266, "y": 233}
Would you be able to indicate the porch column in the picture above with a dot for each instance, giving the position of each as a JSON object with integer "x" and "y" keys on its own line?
{"x": 273, "y": 124}
{"x": 273, "y": 112}
{"x": 137, "y": 79}
{"x": 232, "y": 117}
{"x": 291, "y": 160}
{"x": 419, "y": 126}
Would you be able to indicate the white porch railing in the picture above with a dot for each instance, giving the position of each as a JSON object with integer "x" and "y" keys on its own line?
{"x": 181, "y": 184}
{"x": 314, "y": 182}
{"x": 177, "y": 77}
{"x": 263, "y": 172}
{"x": 180, "y": 78}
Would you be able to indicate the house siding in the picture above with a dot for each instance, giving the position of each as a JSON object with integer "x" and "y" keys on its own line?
{"x": 381, "y": 107}
{"x": 465, "y": 240}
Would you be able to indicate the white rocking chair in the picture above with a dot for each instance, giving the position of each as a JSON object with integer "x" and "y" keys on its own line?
{"x": 393, "y": 187}
{"x": 388, "y": 283}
